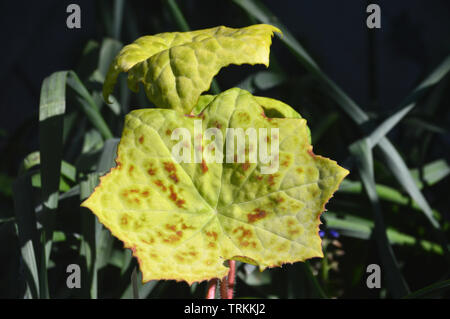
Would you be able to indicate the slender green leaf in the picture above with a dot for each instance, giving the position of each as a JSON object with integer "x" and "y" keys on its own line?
{"x": 430, "y": 290}
{"x": 383, "y": 129}
{"x": 394, "y": 278}
{"x": 134, "y": 283}
{"x": 118, "y": 16}
{"x": 28, "y": 235}
{"x": 357, "y": 227}
{"x": 88, "y": 104}
{"x": 89, "y": 238}
{"x": 432, "y": 173}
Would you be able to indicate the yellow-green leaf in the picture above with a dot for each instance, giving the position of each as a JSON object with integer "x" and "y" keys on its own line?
{"x": 183, "y": 220}
{"x": 176, "y": 67}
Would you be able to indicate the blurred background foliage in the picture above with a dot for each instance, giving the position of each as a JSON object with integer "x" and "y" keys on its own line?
{"x": 376, "y": 101}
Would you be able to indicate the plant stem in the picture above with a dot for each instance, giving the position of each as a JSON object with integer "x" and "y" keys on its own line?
{"x": 212, "y": 285}
{"x": 227, "y": 283}
{"x": 231, "y": 279}
{"x": 224, "y": 288}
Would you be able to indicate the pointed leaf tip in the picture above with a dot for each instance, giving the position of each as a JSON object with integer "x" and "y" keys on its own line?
{"x": 176, "y": 67}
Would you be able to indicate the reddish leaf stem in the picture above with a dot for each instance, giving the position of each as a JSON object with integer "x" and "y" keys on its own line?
{"x": 224, "y": 288}
{"x": 231, "y": 279}
{"x": 227, "y": 283}
{"x": 212, "y": 285}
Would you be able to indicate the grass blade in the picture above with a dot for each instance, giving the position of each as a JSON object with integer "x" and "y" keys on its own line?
{"x": 52, "y": 109}
{"x": 178, "y": 15}
{"x": 313, "y": 280}
{"x": 134, "y": 283}
{"x": 104, "y": 239}
{"x": 357, "y": 227}
{"x": 394, "y": 278}
{"x": 432, "y": 173}
{"x": 88, "y": 105}
{"x": 118, "y": 16}
{"x": 28, "y": 235}
{"x": 383, "y": 129}
{"x": 89, "y": 232}
{"x": 430, "y": 291}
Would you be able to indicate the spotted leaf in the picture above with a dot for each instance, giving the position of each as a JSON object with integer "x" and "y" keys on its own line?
{"x": 176, "y": 67}
{"x": 183, "y": 220}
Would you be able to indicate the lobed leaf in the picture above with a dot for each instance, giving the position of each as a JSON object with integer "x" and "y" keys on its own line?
{"x": 176, "y": 67}
{"x": 183, "y": 220}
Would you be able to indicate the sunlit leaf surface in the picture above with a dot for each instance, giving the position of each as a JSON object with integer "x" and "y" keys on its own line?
{"x": 183, "y": 220}
{"x": 176, "y": 67}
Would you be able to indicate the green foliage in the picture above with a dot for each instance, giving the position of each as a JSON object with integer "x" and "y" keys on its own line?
{"x": 176, "y": 67}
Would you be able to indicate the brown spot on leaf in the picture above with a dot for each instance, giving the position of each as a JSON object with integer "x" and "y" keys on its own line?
{"x": 184, "y": 226}
{"x": 174, "y": 177}
{"x": 160, "y": 184}
{"x": 172, "y": 238}
{"x": 212, "y": 234}
{"x": 180, "y": 203}
{"x": 141, "y": 139}
{"x": 286, "y": 161}
{"x": 171, "y": 227}
{"x": 124, "y": 220}
{"x": 150, "y": 240}
{"x": 180, "y": 258}
{"x": 173, "y": 196}
{"x": 151, "y": 170}
{"x": 245, "y": 166}
{"x": 245, "y": 233}
{"x": 271, "y": 179}
{"x": 169, "y": 167}
{"x": 259, "y": 214}
{"x": 204, "y": 167}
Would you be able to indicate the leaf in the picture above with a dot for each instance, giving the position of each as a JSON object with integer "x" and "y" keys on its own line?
{"x": 28, "y": 234}
{"x": 183, "y": 220}
{"x": 176, "y": 67}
